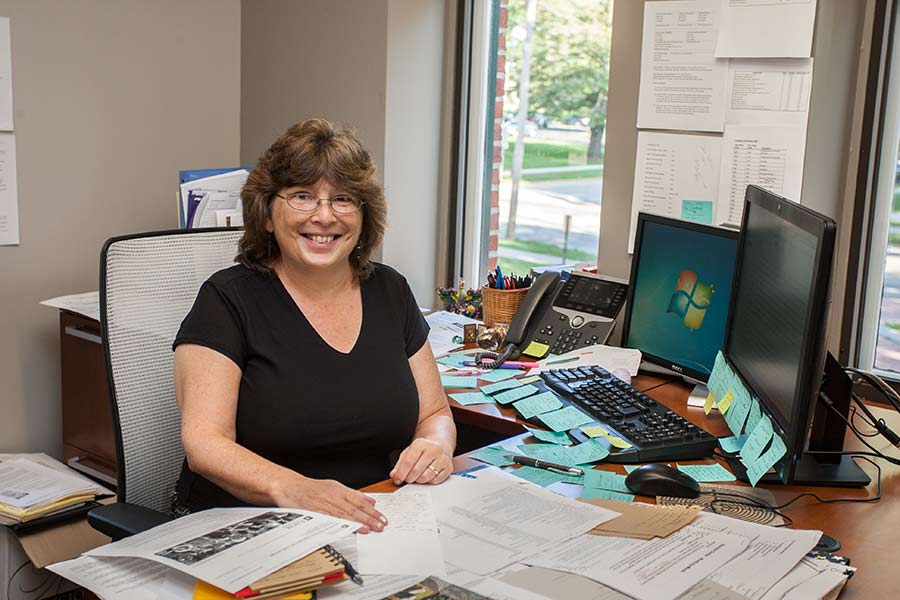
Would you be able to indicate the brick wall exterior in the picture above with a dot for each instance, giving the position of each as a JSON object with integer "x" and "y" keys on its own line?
{"x": 497, "y": 158}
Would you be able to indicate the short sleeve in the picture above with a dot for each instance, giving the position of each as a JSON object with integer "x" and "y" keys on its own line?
{"x": 415, "y": 327}
{"x": 214, "y": 322}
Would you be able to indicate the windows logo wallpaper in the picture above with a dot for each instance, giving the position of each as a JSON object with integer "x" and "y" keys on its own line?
{"x": 682, "y": 289}
{"x": 691, "y": 299}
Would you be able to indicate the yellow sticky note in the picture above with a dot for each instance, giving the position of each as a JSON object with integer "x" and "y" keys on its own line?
{"x": 710, "y": 401}
{"x": 726, "y": 401}
{"x": 595, "y": 431}
{"x": 536, "y": 349}
{"x": 618, "y": 442}
{"x": 531, "y": 379}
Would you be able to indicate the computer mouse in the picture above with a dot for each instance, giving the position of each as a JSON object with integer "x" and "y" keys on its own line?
{"x": 662, "y": 480}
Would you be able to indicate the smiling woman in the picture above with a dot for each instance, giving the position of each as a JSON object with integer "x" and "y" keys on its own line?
{"x": 305, "y": 370}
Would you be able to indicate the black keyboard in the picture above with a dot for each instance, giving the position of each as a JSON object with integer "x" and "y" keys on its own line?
{"x": 655, "y": 432}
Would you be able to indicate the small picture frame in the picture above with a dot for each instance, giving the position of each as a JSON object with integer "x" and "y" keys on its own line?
{"x": 470, "y": 333}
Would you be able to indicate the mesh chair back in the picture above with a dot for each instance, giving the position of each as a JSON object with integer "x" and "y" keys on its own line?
{"x": 148, "y": 283}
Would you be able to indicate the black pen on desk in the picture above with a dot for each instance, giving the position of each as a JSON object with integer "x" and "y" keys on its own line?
{"x": 543, "y": 464}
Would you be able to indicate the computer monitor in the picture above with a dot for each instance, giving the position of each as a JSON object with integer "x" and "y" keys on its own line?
{"x": 677, "y": 307}
{"x": 776, "y": 335}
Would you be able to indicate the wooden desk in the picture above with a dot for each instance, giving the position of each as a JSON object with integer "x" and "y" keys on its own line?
{"x": 867, "y": 531}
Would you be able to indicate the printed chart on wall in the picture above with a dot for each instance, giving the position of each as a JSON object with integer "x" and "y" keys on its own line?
{"x": 676, "y": 175}
{"x": 734, "y": 103}
{"x": 9, "y": 203}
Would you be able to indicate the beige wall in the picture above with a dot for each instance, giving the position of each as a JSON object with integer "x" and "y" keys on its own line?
{"x": 111, "y": 99}
{"x": 321, "y": 58}
{"x": 829, "y": 149}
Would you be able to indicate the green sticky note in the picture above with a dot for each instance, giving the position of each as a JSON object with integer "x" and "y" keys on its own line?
{"x": 548, "y": 452}
{"x": 543, "y": 477}
{"x": 591, "y": 493}
{"x": 739, "y": 410}
{"x": 754, "y": 416}
{"x": 718, "y": 379}
{"x": 500, "y": 386}
{"x": 467, "y": 398}
{"x": 552, "y": 437}
{"x": 499, "y": 374}
{"x": 587, "y": 452}
{"x": 515, "y": 394}
{"x": 768, "y": 459}
{"x": 537, "y": 404}
{"x": 614, "y": 482}
{"x": 697, "y": 211}
{"x": 734, "y": 443}
{"x": 757, "y": 440}
{"x": 455, "y": 360}
{"x": 707, "y": 473}
{"x": 493, "y": 455}
{"x": 449, "y": 381}
{"x": 565, "y": 418}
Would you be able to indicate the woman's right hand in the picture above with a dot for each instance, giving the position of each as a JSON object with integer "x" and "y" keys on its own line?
{"x": 331, "y": 498}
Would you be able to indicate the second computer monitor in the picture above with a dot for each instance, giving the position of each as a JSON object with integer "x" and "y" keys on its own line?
{"x": 681, "y": 276}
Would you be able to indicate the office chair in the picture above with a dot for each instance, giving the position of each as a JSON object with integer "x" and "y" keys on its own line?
{"x": 148, "y": 283}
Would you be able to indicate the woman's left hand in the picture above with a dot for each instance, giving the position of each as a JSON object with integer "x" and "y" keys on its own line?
{"x": 423, "y": 461}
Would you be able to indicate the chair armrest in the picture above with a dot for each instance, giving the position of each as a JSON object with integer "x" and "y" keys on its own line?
{"x": 121, "y": 519}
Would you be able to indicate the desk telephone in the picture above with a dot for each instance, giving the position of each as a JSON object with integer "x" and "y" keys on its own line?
{"x": 559, "y": 316}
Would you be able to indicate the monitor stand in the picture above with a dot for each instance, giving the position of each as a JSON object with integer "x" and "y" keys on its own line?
{"x": 812, "y": 471}
{"x": 698, "y": 394}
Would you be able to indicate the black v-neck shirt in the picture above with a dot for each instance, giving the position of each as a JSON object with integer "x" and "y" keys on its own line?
{"x": 301, "y": 403}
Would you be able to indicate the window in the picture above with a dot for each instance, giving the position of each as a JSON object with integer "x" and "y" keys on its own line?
{"x": 543, "y": 114}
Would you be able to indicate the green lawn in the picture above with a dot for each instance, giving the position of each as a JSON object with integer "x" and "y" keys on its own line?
{"x": 896, "y": 205}
{"x": 585, "y": 174}
{"x": 548, "y": 153}
{"x": 513, "y": 265}
{"x": 544, "y": 248}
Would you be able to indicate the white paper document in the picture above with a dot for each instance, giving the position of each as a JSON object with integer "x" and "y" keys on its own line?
{"x": 608, "y": 357}
{"x": 112, "y": 578}
{"x": 682, "y": 83}
{"x": 6, "y": 107}
{"x": 491, "y": 521}
{"x": 770, "y": 157}
{"x": 766, "y": 29}
{"x": 9, "y": 195}
{"x": 811, "y": 579}
{"x": 661, "y": 568}
{"x": 409, "y": 544}
{"x": 675, "y": 175}
{"x": 231, "y": 548}
{"x": 772, "y": 553}
{"x": 86, "y": 304}
{"x": 559, "y": 584}
{"x": 769, "y": 92}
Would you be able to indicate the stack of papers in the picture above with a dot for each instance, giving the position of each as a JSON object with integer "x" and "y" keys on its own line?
{"x": 445, "y": 327}
{"x": 30, "y": 490}
{"x": 228, "y": 552}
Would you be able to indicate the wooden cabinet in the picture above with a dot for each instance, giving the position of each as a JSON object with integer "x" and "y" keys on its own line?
{"x": 88, "y": 438}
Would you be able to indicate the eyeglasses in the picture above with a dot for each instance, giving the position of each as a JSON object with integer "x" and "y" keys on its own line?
{"x": 341, "y": 204}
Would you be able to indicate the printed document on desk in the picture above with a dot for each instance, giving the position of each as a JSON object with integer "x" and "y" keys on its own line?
{"x": 682, "y": 83}
{"x": 115, "y": 577}
{"x": 231, "y": 548}
{"x": 608, "y": 357}
{"x": 86, "y": 304}
{"x": 445, "y": 326}
{"x": 491, "y": 520}
{"x": 658, "y": 569}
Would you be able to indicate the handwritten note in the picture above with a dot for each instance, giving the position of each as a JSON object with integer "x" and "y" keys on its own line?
{"x": 543, "y": 477}
{"x": 515, "y": 394}
{"x": 733, "y": 444}
{"x": 552, "y": 437}
{"x": 606, "y": 480}
{"x": 500, "y": 386}
{"x": 587, "y": 452}
{"x": 707, "y": 473}
{"x": 725, "y": 402}
{"x": 591, "y": 493}
{"x": 757, "y": 440}
{"x": 449, "y": 381}
{"x": 565, "y": 418}
{"x": 499, "y": 374}
{"x": 467, "y": 398}
{"x": 768, "y": 459}
{"x": 537, "y": 404}
{"x": 493, "y": 455}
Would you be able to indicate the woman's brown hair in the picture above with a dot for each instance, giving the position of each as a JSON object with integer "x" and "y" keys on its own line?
{"x": 311, "y": 150}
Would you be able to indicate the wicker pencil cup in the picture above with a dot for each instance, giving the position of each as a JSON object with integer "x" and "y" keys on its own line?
{"x": 500, "y": 306}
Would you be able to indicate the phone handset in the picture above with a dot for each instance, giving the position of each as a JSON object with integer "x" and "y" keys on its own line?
{"x": 515, "y": 336}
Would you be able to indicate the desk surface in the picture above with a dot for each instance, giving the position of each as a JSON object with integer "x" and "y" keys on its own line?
{"x": 867, "y": 531}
